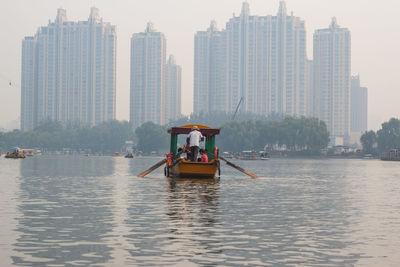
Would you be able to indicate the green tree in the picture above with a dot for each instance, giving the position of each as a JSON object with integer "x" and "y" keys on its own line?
{"x": 368, "y": 141}
{"x": 389, "y": 136}
{"x": 53, "y": 136}
{"x": 152, "y": 137}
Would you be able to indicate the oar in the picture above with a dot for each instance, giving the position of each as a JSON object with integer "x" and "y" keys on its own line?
{"x": 152, "y": 168}
{"x": 239, "y": 168}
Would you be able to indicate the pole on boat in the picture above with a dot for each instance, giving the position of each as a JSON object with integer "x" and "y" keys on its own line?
{"x": 252, "y": 175}
{"x": 152, "y": 168}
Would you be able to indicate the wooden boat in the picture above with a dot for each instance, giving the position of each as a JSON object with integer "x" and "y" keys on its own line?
{"x": 15, "y": 153}
{"x": 129, "y": 155}
{"x": 117, "y": 154}
{"x": 248, "y": 155}
{"x": 178, "y": 167}
{"x": 392, "y": 155}
{"x": 264, "y": 155}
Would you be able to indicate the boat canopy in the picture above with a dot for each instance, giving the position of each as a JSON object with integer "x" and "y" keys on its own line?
{"x": 186, "y": 129}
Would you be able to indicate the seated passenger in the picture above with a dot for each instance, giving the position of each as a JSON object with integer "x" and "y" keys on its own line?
{"x": 180, "y": 152}
{"x": 204, "y": 157}
{"x": 187, "y": 151}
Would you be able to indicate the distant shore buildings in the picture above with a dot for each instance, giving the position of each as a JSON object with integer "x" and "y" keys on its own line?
{"x": 259, "y": 59}
{"x": 358, "y": 110}
{"x": 155, "y": 83}
{"x": 68, "y": 72}
{"x": 262, "y": 60}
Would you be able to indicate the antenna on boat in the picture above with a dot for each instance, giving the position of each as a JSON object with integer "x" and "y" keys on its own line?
{"x": 237, "y": 108}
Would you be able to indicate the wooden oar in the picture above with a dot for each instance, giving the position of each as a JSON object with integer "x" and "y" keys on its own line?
{"x": 152, "y": 168}
{"x": 239, "y": 168}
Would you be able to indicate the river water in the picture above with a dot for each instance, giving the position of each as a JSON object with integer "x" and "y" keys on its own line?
{"x": 80, "y": 211}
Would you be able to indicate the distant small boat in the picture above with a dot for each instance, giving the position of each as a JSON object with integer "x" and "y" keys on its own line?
{"x": 15, "y": 153}
{"x": 117, "y": 154}
{"x": 28, "y": 152}
{"x": 264, "y": 155}
{"x": 248, "y": 155}
{"x": 392, "y": 155}
{"x": 368, "y": 156}
{"x": 129, "y": 156}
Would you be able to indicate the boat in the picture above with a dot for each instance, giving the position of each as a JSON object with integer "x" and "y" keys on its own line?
{"x": 227, "y": 155}
{"x": 28, "y": 152}
{"x": 117, "y": 154}
{"x": 392, "y": 155}
{"x": 368, "y": 156}
{"x": 15, "y": 153}
{"x": 129, "y": 155}
{"x": 264, "y": 155}
{"x": 178, "y": 167}
{"x": 248, "y": 155}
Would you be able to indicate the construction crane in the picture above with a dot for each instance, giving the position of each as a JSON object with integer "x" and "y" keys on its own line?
{"x": 237, "y": 108}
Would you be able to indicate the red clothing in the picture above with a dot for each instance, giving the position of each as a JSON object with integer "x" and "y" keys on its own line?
{"x": 204, "y": 158}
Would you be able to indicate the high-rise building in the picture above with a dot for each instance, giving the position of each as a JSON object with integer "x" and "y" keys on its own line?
{"x": 258, "y": 59}
{"x": 155, "y": 85}
{"x": 172, "y": 94}
{"x": 210, "y": 71}
{"x": 68, "y": 72}
{"x": 359, "y": 106}
{"x": 148, "y": 52}
{"x": 332, "y": 68}
{"x": 309, "y": 88}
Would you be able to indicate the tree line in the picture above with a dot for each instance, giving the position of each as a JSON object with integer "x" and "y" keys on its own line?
{"x": 302, "y": 135}
{"x": 246, "y": 132}
{"x": 306, "y": 135}
{"x": 53, "y": 136}
{"x": 385, "y": 139}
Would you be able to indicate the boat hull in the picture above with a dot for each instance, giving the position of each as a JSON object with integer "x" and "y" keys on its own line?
{"x": 195, "y": 170}
{"x": 15, "y": 156}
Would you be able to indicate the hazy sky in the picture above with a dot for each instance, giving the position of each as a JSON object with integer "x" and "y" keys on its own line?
{"x": 374, "y": 26}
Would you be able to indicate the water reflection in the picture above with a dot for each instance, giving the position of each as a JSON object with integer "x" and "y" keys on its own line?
{"x": 66, "y": 212}
{"x": 173, "y": 222}
{"x": 67, "y": 166}
{"x": 193, "y": 201}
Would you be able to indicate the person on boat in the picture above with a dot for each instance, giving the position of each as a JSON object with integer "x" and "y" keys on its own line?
{"x": 186, "y": 150}
{"x": 180, "y": 152}
{"x": 203, "y": 153}
{"x": 194, "y": 141}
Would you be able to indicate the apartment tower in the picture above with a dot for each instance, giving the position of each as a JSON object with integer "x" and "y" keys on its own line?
{"x": 155, "y": 83}
{"x": 359, "y": 106}
{"x": 68, "y": 72}
{"x": 258, "y": 59}
{"x": 332, "y": 68}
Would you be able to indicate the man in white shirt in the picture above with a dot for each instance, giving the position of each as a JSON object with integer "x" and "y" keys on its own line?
{"x": 194, "y": 141}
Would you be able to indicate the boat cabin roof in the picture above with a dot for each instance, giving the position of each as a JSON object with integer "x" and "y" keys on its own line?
{"x": 186, "y": 129}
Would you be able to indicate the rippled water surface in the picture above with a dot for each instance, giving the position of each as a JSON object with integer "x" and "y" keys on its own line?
{"x": 80, "y": 211}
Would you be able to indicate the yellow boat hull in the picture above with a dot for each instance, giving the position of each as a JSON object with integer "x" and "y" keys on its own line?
{"x": 189, "y": 169}
{"x": 15, "y": 156}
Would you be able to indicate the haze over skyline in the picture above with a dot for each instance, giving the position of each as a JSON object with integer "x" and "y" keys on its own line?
{"x": 374, "y": 29}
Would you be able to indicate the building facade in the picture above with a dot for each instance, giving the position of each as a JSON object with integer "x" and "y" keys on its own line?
{"x": 173, "y": 78}
{"x": 359, "y": 106}
{"x": 155, "y": 84}
{"x": 148, "y": 52}
{"x": 259, "y": 59}
{"x": 68, "y": 72}
{"x": 309, "y": 88}
{"x": 332, "y": 68}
